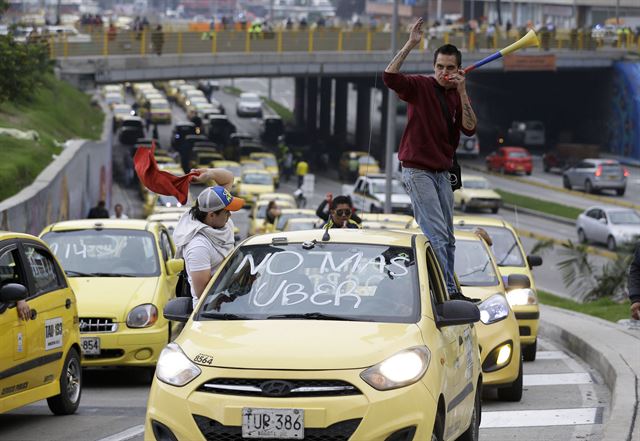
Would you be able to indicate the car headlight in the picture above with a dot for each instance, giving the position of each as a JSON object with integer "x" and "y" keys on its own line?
{"x": 401, "y": 369}
{"x": 521, "y": 297}
{"x": 142, "y": 316}
{"x": 494, "y": 309}
{"x": 174, "y": 367}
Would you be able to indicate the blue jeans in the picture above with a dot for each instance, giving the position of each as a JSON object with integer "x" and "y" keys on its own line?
{"x": 432, "y": 200}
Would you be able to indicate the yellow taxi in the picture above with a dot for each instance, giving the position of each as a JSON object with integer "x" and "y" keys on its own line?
{"x": 259, "y": 213}
{"x": 123, "y": 273}
{"x": 169, "y": 219}
{"x": 400, "y": 360}
{"x": 356, "y": 163}
{"x": 498, "y": 334}
{"x": 40, "y": 357}
{"x": 253, "y": 183}
{"x": 251, "y": 164}
{"x": 476, "y": 193}
{"x": 204, "y": 158}
{"x": 292, "y": 213}
{"x": 157, "y": 203}
{"x": 512, "y": 259}
{"x": 270, "y": 164}
{"x": 160, "y": 111}
{"x": 278, "y": 197}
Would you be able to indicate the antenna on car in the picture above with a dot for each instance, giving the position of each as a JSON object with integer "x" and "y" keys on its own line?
{"x": 325, "y": 236}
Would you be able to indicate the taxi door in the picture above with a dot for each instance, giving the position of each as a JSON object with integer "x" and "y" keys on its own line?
{"x": 454, "y": 359}
{"x": 13, "y": 341}
{"x": 49, "y": 329}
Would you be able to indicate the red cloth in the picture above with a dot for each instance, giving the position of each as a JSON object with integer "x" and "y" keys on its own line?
{"x": 425, "y": 141}
{"x": 159, "y": 181}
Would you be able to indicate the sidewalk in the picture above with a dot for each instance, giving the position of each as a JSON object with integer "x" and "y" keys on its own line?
{"x": 614, "y": 351}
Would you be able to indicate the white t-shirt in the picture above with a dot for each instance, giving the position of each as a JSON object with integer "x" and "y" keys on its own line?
{"x": 199, "y": 255}
{"x": 122, "y": 216}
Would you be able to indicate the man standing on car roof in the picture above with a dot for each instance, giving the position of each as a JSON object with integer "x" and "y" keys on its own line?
{"x": 430, "y": 139}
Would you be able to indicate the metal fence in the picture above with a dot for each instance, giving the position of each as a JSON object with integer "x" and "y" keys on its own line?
{"x": 147, "y": 43}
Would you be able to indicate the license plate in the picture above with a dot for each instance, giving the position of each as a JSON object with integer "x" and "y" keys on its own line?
{"x": 90, "y": 345}
{"x": 272, "y": 423}
{"x": 613, "y": 177}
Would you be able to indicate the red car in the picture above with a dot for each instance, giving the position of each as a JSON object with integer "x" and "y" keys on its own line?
{"x": 510, "y": 160}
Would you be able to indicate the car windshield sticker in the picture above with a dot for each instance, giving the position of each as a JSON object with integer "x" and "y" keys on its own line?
{"x": 53, "y": 333}
{"x": 20, "y": 342}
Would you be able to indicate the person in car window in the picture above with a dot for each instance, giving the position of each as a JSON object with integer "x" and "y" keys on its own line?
{"x": 204, "y": 235}
{"x": 340, "y": 214}
{"x": 273, "y": 211}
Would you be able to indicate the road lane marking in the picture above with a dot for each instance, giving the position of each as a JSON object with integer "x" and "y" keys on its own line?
{"x": 125, "y": 435}
{"x": 541, "y": 418}
{"x": 551, "y": 355}
{"x": 557, "y": 379}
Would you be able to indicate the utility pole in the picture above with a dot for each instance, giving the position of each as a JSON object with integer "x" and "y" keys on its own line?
{"x": 438, "y": 10}
{"x": 392, "y": 108}
{"x": 617, "y": 12}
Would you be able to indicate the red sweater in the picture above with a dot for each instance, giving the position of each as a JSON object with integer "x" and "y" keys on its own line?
{"x": 425, "y": 141}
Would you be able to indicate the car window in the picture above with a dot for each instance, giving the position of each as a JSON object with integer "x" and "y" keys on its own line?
{"x": 380, "y": 187}
{"x": 476, "y": 184}
{"x": 473, "y": 264}
{"x": 165, "y": 245}
{"x": 593, "y": 213}
{"x": 257, "y": 179}
{"x": 518, "y": 155}
{"x": 105, "y": 253}
{"x": 505, "y": 247}
{"x": 626, "y": 217}
{"x": 358, "y": 187}
{"x": 436, "y": 282}
{"x": 359, "y": 282}
{"x": 10, "y": 268}
{"x": 43, "y": 270}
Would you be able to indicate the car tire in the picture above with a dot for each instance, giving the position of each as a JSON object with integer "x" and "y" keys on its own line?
{"x": 513, "y": 392}
{"x": 473, "y": 431}
{"x": 582, "y": 238}
{"x": 588, "y": 186}
{"x": 529, "y": 351}
{"x": 620, "y": 191}
{"x": 529, "y": 173}
{"x": 611, "y": 243}
{"x": 566, "y": 183}
{"x": 494, "y": 210}
{"x": 67, "y": 402}
{"x": 438, "y": 428}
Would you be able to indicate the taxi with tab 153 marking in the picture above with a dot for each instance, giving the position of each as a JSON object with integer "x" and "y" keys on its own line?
{"x": 39, "y": 357}
{"x": 123, "y": 273}
{"x": 295, "y": 337}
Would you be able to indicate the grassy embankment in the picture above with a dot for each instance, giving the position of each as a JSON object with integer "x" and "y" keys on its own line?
{"x": 539, "y": 205}
{"x": 57, "y": 112}
{"x": 282, "y": 111}
{"x": 604, "y": 308}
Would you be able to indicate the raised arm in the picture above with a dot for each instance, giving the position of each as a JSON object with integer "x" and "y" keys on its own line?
{"x": 221, "y": 176}
{"x": 414, "y": 38}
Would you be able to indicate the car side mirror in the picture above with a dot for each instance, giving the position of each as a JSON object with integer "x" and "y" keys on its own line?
{"x": 179, "y": 309}
{"x": 534, "y": 261}
{"x": 602, "y": 220}
{"x": 456, "y": 312}
{"x": 12, "y": 292}
{"x": 518, "y": 281}
{"x": 174, "y": 266}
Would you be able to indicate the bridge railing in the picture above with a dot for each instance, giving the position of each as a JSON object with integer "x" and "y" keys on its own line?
{"x": 147, "y": 43}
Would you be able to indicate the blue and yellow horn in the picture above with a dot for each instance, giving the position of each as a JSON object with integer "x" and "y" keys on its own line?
{"x": 530, "y": 39}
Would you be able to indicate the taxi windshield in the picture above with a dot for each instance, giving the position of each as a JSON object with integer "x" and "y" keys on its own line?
{"x": 476, "y": 184}
{"x": 473, "y": 264}
{"x": 308, "y": 224}
{"x": 333, "y": 281}
{"x": 105, "y": 253}
{"x": 269, "y": 162}
{"x": 257, "y": 179}
{"x": 505, "y": 247}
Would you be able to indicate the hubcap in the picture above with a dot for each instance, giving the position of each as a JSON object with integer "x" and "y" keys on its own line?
{"x": 73, "y": 380}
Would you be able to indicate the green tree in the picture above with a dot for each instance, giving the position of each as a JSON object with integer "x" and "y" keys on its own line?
{"x": 24, "y": 68}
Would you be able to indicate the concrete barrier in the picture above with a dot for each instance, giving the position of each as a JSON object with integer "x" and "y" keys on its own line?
{"x": 66, "y": 189}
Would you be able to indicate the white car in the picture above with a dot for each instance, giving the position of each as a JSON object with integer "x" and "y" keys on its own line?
{"x": 369, "y": 195}
{"x": 614, "y": 226}
{"x": 249, "y": 104}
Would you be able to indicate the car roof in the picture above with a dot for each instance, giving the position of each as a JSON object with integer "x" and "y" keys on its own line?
{"x": 5, "y": 235}
{"x": 465, "y": 235}
{"x": 338, "y": 235}
{"x": 479, "y": 220}
{"x": 602, "y": 161}
{"x": 90, "y": 224}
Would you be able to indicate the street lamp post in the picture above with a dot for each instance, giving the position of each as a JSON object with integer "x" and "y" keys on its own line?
{"x": 391, "y": 117}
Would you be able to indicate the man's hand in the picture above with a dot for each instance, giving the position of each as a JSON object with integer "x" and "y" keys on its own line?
{"x": 416, "y": 33}
{"x": 24, "y": 312}
{"x": 459, "y": 80}
{"x": 635, "y": 311}
{"x": 328, "y": 197}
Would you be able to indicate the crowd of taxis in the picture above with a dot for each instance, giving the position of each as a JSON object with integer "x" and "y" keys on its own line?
{"x": 299, "y": 334}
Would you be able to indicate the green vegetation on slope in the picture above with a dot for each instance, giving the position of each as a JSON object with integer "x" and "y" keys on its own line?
{"x": 57, "y": 112}
{"x": 604, "y": 308}
{"x": 539, "y": 205}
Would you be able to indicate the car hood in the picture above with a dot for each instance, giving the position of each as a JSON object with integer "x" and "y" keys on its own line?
{"x": 396, "y": 198}
{"x": 297, "y": 344}
{"x": 627, "y": 230}
{"x": 112, "y": 296}
{"x": 480, "y": 193}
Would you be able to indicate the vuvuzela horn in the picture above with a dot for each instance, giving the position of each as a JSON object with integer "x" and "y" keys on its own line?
{"x": 529, "y": 39}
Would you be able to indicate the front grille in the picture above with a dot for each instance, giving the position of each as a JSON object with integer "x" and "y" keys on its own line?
{"x": 214, "y": 431}
{"x": 105, "y": 353}
{"x": 274, "y": 388}
{"x": 93, "y": 325}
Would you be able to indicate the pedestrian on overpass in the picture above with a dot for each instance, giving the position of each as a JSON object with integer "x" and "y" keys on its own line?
{"x": 439, "y": 109}
{"x": 634, "y": 284}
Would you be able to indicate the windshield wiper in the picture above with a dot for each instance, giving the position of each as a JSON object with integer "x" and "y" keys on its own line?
{"x": 110, "y": 275}
{"x": 73, "y": 273}
{"x": 224, "y": 316}
{"x": 311, "y": 316}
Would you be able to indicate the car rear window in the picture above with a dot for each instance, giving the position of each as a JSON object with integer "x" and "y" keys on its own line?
{"x": 359, "y": 282}
{"x": 505, "y": 246}
{"x": 517, "y": 155}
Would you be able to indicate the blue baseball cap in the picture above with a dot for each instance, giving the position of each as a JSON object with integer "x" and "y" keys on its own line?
{"x": 218, "y": 198}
